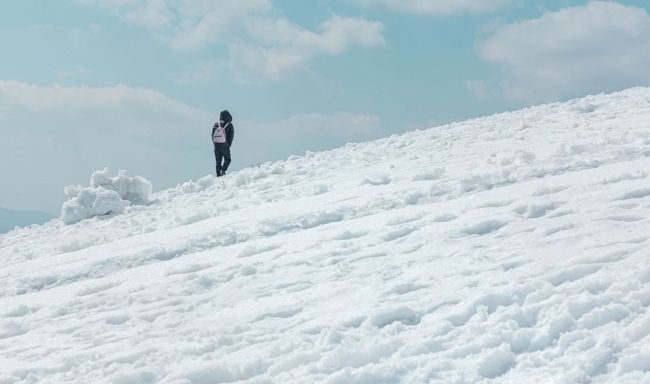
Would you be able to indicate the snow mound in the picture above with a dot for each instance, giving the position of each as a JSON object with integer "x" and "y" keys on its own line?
{"x": 105, "y": 196}
{"x": 136, "y": 190}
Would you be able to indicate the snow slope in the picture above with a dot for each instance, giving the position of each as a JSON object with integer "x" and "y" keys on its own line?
{"x": 507, "y": 249}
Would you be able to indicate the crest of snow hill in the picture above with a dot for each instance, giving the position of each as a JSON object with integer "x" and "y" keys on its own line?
{"x": 106, "y": 195}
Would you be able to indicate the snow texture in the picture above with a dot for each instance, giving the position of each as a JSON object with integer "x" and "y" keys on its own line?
{"x": 105, "y": 196}
{"x": 506, "y": 249}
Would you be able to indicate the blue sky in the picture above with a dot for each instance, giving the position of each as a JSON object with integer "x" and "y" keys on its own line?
{"x": 136, "y": 84}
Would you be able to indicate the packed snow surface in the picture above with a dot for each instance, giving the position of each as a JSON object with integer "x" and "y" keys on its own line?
{"x": 507, "y": 249}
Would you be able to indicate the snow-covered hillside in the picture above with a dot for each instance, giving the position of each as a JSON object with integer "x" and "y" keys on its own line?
{"x": 508, "y": 249}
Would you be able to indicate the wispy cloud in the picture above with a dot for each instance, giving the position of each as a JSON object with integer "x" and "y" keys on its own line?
{"x": 281, "y": 47}
{"x": 260, "y": 41}
{"x": 601, "y": 46}
{"x": 439, "y": 7}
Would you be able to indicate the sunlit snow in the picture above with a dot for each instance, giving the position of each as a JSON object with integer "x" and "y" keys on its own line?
{"x": 508, "y": 249}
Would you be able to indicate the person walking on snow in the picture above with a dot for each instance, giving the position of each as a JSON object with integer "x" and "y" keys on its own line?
{"x": 223, "y": 133}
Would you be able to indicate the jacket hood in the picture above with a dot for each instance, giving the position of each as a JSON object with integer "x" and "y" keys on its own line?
{"x": 225, "y": 116}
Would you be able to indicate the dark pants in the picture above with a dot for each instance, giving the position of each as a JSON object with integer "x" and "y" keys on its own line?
{"x": 222, "y": 152}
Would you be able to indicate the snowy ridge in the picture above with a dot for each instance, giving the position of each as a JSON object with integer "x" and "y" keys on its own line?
{"x": 507, "y": 249}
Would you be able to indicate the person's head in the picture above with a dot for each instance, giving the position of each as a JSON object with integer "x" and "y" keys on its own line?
{"x": 225, "y": 116}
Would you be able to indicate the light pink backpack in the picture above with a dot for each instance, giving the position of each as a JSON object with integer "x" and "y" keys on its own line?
{"x": 219, "y": 135}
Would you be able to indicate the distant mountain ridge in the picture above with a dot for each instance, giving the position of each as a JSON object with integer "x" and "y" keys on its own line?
{"x": 9, "y": 218}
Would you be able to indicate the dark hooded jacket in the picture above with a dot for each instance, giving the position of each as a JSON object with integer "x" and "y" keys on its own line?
{"x": 224, "y": 118}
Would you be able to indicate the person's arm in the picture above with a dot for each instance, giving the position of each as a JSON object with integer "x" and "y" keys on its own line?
{"x": 230, "y": 134}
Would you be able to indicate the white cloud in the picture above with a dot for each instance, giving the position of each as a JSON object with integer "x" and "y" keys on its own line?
{"x": 283, "y": 47}
{"x": 152, "y": 14}
{"x": 259, "y": 40}
{"x": 186, "y": 25}
{"x": 601, "y": 46}
{"x": 335, "y": 35}
{"x": 439, "y": 7}
{"x": 200, "y": 23}
{"x": 52, "y": 136}
{"x": 272, "y": 63}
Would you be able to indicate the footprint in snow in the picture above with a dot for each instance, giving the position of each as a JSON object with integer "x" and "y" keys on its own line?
{"x": 496, "y": 204}
{"x": 485, "y": 227}
{"x": 349, "y": 235}
{"x": 445, "y": 217}
{"x": 403, "y": 315}
{"x": 117, "y": 319}
{"x": 571, "y": 274}
{"x": 12, "y": 328}
{"x": 428, "y": 175}
{"x": 281, "y": 314}
{"x": 497, "y": 363}
{"x": 252, "y": 250}
{"x": 399, "y": 233}
{"x": 624, "y": 177}
{"x": 247, "y": 270}
{"x": 545, "y": 191}
{"x": 536, "y": 211}
{"x": 600, "y": 316}
{"x": 552, "y": 231}
{"x": 490, "y": 301}
{"x": 402, "y": 289}
{"x": 624, "y": 218}
{"x": 19, "y": 311}
{"x": 377, "y": 180}
{"x": 190, "y": 268}
{"x": 635, "y": 194}
{"x": 398, "y": 220}
{"x": 612, "y": 257}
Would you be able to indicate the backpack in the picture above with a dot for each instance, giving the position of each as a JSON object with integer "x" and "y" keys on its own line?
{"x": 219, "y": 134}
